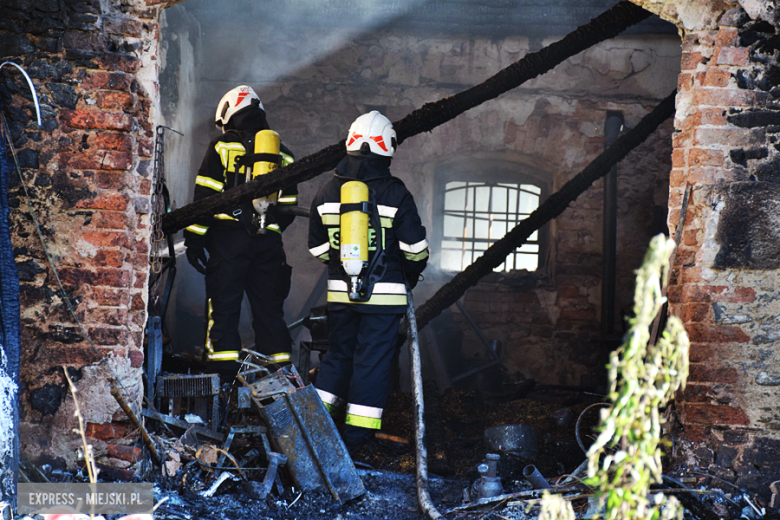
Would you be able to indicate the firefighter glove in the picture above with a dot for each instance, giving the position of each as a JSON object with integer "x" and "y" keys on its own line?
{"x": 412, "y": 280}
{"x": 196, "y": 255}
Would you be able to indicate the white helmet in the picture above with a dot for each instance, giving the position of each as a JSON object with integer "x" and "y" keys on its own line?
{"x": 372, "y": 132}
{"x": 235, "y": 100}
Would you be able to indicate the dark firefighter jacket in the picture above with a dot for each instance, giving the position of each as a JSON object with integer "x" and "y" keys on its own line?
{"x": 402, "y": 233}
{"x": 218, "y": 173}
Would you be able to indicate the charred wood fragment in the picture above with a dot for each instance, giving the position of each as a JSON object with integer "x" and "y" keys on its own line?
{"x": 550, "y": 209}
{"x": 607, "y": 25}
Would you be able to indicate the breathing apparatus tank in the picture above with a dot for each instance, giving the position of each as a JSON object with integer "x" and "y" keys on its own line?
{"x": 354, "y": 235}
{"x": 266, "y": 142}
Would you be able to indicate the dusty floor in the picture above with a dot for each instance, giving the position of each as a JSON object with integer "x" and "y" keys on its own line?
{"x": 456, "y": 420}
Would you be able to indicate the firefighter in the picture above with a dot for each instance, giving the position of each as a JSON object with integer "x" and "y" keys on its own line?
{"x": 364, "y": 311}
{"x": 245, "y": 252}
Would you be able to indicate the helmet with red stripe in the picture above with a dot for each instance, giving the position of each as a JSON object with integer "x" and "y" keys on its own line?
{"x": 235, "y": 100}
{"x": 372, "y": 132}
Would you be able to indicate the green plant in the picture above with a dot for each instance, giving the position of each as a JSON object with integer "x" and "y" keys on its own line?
{"x": 625, "y": 459}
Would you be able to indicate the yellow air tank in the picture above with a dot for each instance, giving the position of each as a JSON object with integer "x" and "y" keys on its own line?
{"x": 266, "y": 141}
{"x": 354, "y": 234}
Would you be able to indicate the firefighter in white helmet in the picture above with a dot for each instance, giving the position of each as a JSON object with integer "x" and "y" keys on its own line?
{"x": 366, "y": 292}
{"x": 245, "y": 252}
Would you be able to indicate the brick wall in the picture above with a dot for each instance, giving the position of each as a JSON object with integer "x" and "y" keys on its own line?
{"x": 88, "y": 172}
{"x": 724, "y": 281}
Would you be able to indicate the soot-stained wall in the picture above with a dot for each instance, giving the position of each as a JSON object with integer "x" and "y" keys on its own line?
{"x": 87, "y": 170}
{"x": 548, "y": 322}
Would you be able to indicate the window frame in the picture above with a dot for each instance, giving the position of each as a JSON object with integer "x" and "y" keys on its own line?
{"x": 495, "y": 171}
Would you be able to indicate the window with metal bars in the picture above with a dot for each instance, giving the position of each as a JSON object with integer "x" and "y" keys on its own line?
{"x": 478, "y": 213}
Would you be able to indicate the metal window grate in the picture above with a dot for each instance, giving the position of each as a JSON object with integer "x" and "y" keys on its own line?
{"x": 477, "y": 214}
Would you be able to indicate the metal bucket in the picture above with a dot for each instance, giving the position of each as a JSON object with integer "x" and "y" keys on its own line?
{"x": 518, "y": 440}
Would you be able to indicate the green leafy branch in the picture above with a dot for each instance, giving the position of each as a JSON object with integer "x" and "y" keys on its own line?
{"x": 625, "y": 459}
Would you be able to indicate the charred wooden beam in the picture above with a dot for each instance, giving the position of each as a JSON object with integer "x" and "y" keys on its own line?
{"x": 551, "y": 208}
{"x": 605, "y": 26}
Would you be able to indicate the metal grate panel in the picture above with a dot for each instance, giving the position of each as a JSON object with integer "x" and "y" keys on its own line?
{"x": 184, "y": 385}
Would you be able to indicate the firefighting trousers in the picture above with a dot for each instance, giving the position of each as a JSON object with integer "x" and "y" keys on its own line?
{"x": 241, "y": 263}
{"x": 356, "y": 368}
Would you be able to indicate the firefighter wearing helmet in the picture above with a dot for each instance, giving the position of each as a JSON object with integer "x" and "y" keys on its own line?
{"x": 365, "y": 226}
{"x": 244, "y": 245}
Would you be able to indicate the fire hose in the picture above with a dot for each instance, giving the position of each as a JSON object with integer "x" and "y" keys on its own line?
{"x": 423, "y": 497}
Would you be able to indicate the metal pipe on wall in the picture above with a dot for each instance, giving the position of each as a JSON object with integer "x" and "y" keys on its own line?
{"x": 612, "y": 128}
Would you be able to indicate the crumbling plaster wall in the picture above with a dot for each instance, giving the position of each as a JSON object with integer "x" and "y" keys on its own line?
{"x": 88, "y": 172}
{"x": 549, "y": 324}
{"x": 725, "y": 283}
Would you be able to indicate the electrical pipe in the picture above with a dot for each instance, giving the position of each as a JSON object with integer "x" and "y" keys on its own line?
{"x": 532, "y": 475}
{"x": 423, "y": 497}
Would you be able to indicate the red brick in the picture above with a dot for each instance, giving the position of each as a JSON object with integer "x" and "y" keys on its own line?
{"x": 145, "y": 147}
{"x": 70, "y": 355}
{"x": 109, "y": 431}
{"x": 738, "y": 56}
{"x": 680, "y": 139}
{"x": 716, "y": 78}
{"x": 136, "y": 358}
{"x": 696, "y": 433}
{"x": 731, "y": 137}
{"x": 578, "y": 314}
{"x": 701, "y": 353}
{"x": 106, "y": 258}
{"x": 706, "y": 373}
{"x": 138, "y": 302}
{"x": 711, "y": 414}
{"x": 128, "y": 453}
{"x": 96, "y": 120}
{"x": 123, "y": 27}
{"x": 727, "y": 37}
{"x": 678, "y": 158}
{"x": 110, "y": 220}
{"x": 116, "y": 180}
{"x": 106, "y": 238}
{"x": 101, "y": 160}
{"x": 724, "y": 97}
{"x": 145, "y": 187}
{"x": 708, "y": 333}
{"x": 694, "y": 393}
{"x": 674, "y": 294}
{"x": 712, "y": 116}
{"x": 690, "y": 60}
{"x": 106, "y": 335}
{"x": 677, "y": 178}
{"x": 112, "y": 141}
{"x": 718, "y": 293}
{"x": 105, "y": 316}
{"x": 115, "y": 61}
{"x": 690, "y": 237}
{"x": 140, "y": 280}
{"x": 708, "y": 157}
{"x": 99, "y": 277}
{"x": 108, "y": 99}
{"x": 108, "y": 80}
{"x": 570, "y": 292}
{"x": 685, "y": 81}
{"x": 693, "y": 312}
{"x": 108, "y": 296}
{"x": 114, "y": 202}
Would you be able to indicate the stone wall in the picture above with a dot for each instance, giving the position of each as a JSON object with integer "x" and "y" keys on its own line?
{"x": 725, "y": 285}
{"x": 88, "y": 173}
